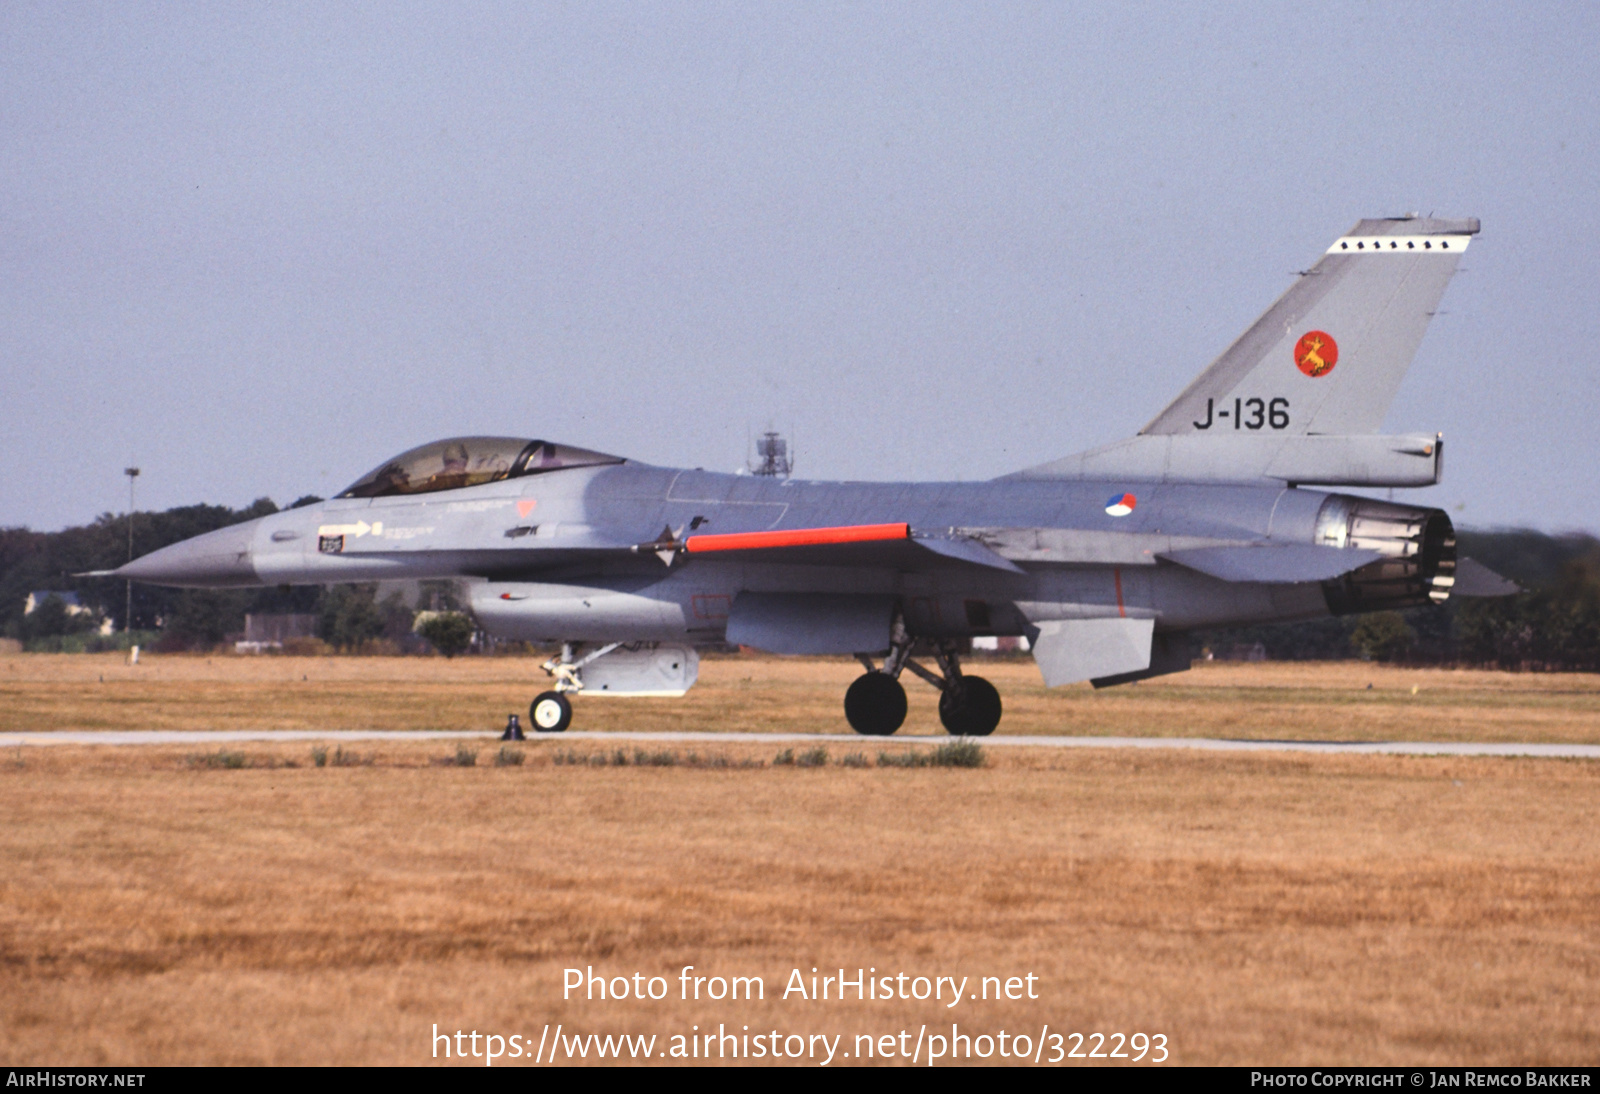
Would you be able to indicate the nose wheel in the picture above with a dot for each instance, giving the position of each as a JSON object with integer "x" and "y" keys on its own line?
{"x": 551, "y": 712}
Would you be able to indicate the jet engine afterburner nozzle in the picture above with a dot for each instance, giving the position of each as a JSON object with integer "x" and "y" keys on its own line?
{"x": 1418, "y": 547}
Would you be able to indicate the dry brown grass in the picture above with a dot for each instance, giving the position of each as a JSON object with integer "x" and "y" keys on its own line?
{"x": 1271, "y": 701}
{"x": 1361, "y": 909}
{"x": 1262, "y": 908}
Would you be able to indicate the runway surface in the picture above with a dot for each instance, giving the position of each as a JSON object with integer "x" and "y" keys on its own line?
{"x": 1409, "y": 748}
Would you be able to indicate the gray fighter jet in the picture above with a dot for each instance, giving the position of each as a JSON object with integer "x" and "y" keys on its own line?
{"x": 1104, "y": 560}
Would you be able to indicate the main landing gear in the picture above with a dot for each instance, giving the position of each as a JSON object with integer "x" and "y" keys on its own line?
{"x": 875, "y": 705}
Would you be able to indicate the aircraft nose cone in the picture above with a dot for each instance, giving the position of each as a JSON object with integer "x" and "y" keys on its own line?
{"x": 215, "y": 559}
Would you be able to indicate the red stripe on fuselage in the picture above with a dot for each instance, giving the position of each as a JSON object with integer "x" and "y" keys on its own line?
{"x": 1121, "y": 611}
{"x": 798, "y": 537}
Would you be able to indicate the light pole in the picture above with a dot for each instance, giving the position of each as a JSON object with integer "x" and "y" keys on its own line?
{"x": 127, "y": 620}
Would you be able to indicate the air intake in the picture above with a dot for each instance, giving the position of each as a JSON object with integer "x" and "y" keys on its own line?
{"x": 1418, "y": 547}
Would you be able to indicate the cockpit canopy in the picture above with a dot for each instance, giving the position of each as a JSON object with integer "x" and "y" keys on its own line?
{"x": 469, "y": 461}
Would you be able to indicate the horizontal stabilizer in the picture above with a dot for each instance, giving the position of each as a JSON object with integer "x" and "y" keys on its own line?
{"x": 1070, "y": 651}
{"x": 1286, "y": 564}
{"x": 1473, "y": 578}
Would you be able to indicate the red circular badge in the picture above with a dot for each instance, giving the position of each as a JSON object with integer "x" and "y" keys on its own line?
{"x": 1316, "y": 353}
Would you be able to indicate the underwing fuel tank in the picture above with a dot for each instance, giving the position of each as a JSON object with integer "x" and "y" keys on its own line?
{"x": 1418, "y": 547}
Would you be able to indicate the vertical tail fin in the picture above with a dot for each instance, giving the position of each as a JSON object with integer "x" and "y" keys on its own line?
{"x": 1329, "y": 355}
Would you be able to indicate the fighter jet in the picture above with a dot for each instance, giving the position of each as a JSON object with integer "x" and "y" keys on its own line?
{"x": 1105, "y": 560}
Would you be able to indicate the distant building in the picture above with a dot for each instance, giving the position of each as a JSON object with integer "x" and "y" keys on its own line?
{"x": 264, "y": 631}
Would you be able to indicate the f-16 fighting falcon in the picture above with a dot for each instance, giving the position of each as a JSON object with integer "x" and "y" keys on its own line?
{"x": 1104, "y": 560}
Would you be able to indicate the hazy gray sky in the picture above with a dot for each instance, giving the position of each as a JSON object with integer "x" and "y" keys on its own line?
{"x": 257, "y": 248}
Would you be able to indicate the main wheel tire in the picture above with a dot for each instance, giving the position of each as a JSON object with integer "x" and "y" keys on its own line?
{"x": 971, "y": 709}
{"x": 551, "y": 712}
{"x": 875, "y": 705}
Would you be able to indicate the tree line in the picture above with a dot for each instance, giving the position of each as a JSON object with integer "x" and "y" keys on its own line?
{"x": 1553, "y": 625}
{"x": 348, "y": 617}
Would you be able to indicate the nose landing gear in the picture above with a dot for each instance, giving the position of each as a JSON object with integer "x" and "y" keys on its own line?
{"x": 875, "y": 705}
{"x": 550, "y": 712}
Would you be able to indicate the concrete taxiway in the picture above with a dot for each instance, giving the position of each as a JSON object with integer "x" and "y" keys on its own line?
{"x": 1404, "y": 748}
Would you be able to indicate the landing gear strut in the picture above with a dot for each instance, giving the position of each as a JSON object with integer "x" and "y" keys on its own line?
{"x": 969, "y": 706}
{"x": 551, "y": 711}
